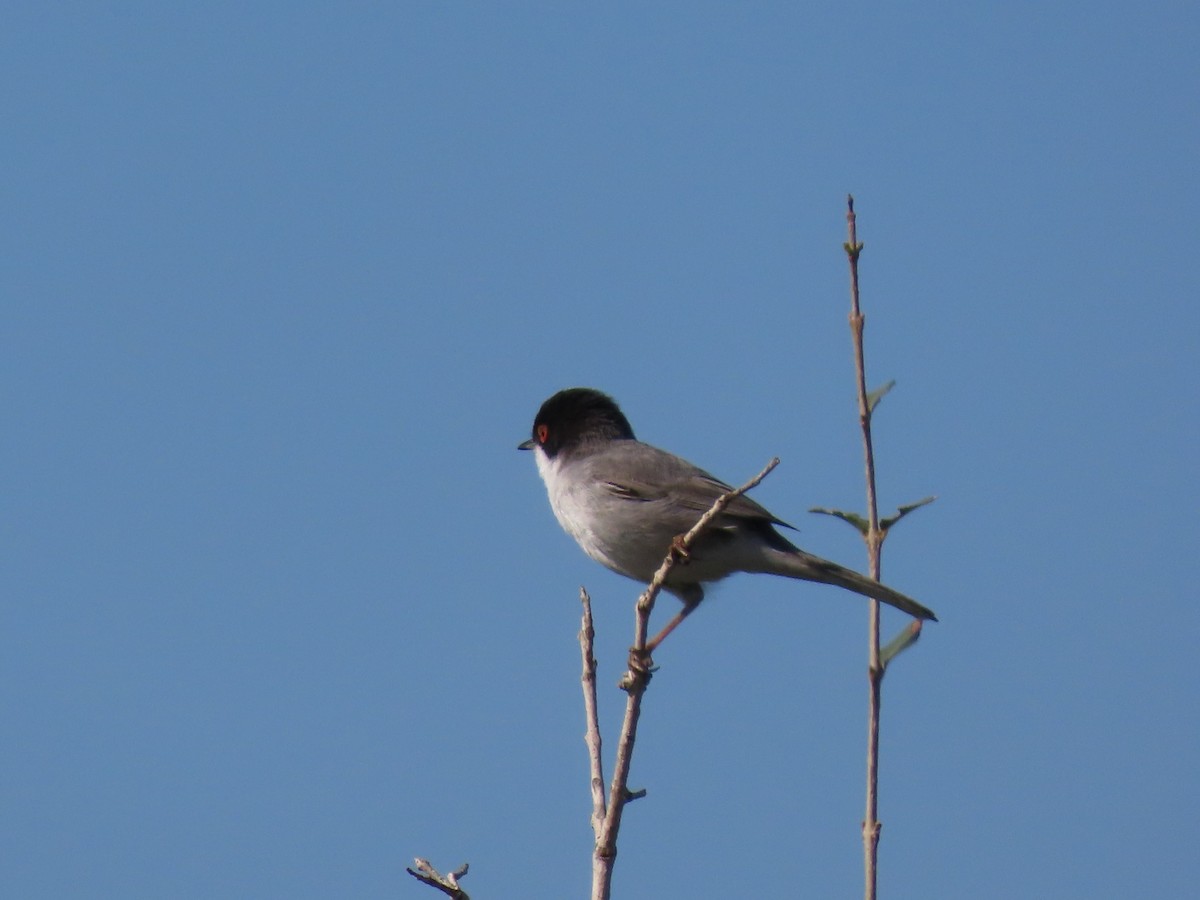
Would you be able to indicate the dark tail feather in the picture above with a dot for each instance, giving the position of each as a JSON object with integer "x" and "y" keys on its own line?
{"x": 813, "y": 568}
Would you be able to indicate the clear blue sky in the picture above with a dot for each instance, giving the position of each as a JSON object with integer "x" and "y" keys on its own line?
{"x": 283, "y": 287}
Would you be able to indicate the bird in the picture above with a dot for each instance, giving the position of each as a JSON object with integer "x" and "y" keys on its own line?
{"x": 626, "y": 503}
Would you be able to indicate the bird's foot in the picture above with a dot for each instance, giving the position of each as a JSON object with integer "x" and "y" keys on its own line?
{"x": 641, "y": 670}
{"x": 678, "y": 550}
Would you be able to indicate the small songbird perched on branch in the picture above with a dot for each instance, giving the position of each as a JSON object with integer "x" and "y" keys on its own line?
{"x": 625, "y": 502}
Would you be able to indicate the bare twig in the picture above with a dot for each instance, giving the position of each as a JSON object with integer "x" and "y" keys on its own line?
{"x": 587, "y": 634}
{"x": 634, "y": 683}
{"x": 447, "y": 884}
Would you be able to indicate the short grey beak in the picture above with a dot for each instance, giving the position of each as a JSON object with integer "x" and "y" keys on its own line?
{"x": 527, "y": 445}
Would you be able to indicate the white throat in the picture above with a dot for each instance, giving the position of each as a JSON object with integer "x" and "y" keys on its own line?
{"x": 569, "y": 502}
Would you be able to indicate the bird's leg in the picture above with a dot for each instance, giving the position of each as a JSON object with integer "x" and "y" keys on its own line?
{"x": 688, "y": 609}
{"x": 691, "y": 598}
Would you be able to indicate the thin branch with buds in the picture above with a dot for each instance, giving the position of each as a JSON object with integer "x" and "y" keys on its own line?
{"x": 874, "y": 532}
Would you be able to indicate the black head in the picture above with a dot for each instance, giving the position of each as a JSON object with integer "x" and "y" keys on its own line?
{"x": 574, "y": 417}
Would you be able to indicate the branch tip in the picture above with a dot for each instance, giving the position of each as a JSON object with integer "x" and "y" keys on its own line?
{"x": 447, "y": 884}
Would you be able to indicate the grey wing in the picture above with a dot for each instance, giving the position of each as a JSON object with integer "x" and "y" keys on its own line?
{"x": 700, "y": 491}
{"x": 641, "y": 473}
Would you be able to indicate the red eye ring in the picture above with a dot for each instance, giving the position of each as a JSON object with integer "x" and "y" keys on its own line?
{"x": 543, "y": 432}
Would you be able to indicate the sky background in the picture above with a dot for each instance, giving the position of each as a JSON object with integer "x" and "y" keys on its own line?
{"x": 283, "y": 287}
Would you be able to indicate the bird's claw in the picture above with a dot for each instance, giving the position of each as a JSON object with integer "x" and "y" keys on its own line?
{"x": 641, "y": 669}
{"x": 678, "y": 550}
